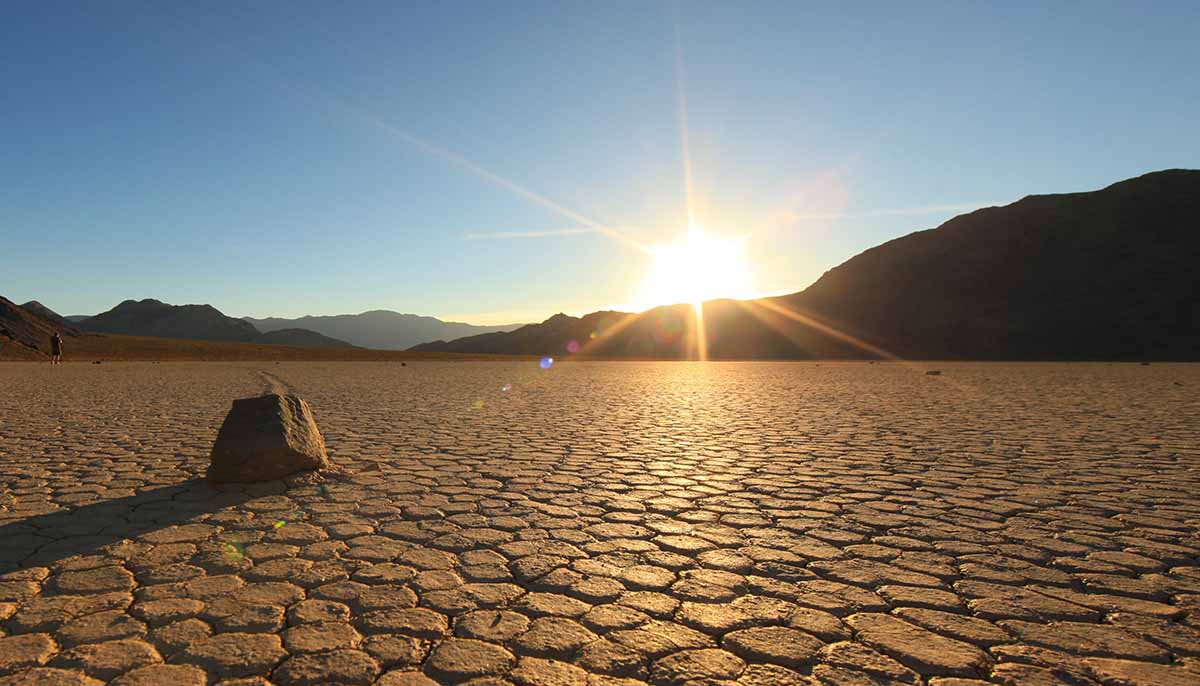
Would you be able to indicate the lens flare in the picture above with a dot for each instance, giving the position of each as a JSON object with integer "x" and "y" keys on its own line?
{"x": 546, "y": 362}
{"x": 572, "y": 346}
{"x": 506, "y": 388}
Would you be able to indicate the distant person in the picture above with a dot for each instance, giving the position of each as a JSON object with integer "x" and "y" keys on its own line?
{"x": 56, "y": 349}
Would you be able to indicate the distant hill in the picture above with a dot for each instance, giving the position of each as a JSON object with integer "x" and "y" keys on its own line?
{"x": 196, "y": 322}
{"x": 24, "y": 334}
{"x": 379, "y": 329}
{"x": 548, "y": 338}
{"x": 155, "y": 318}
{"x": 302, "y": 338}
{"x": 1107, "y": 274}
{"x": 46, "y": 313}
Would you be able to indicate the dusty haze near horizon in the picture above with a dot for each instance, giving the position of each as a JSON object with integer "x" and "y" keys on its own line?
{"x": 608, "y": 523}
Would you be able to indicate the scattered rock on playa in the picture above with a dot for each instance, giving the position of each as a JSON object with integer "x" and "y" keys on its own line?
{"x": 267, "y": 438}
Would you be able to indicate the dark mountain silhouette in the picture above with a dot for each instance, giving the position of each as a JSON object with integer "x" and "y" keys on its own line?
{"x": 301, "y": 338}
{"x": 1108, "y": 274}
{"x": 197, "y": 322}
{"x": 380, "y": 329}
{"x": 734, "y": 331}
{"x": 76, "y": 318}
{"x": 548, "y": 338}
{"x": 25, "y": 333}
{"x": 155, "y": 318}
{"x": 46, "y": 313}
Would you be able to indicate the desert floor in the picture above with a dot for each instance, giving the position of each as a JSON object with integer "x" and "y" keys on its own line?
{"x": 608, "y": 523}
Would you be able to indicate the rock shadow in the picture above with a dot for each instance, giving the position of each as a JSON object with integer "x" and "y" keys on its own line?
{"x": 43, "y": 539}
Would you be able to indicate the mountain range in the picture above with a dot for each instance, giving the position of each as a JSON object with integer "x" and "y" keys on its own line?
{"x": 36, "y": 308}
{"x": 381, "y": 329}
{"x": 151, "y": 317}
{"x": 1108, "y": 274}
{"x": 378, "y": 329}
{"x": 25, "y": 333}
{"x": 157, "y": 319}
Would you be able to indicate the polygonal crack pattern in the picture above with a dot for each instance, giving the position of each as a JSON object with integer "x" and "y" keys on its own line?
{"x": 605, "y": 524}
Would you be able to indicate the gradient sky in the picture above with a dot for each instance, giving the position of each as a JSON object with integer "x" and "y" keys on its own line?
{"x": 318, "y": 158}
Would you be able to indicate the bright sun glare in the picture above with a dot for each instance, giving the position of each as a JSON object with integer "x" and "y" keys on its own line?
{"x": 698, "y": 266}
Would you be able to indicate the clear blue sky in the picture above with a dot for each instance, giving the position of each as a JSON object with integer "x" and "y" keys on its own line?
{"x": 266, "y": 157}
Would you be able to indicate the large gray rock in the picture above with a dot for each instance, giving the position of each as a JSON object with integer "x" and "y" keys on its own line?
{"x": 267, "y": 438}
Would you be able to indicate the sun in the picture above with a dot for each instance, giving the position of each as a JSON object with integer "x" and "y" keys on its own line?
{"x": 698, "y": 266}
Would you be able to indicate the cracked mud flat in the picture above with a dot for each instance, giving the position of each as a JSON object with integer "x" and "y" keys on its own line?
{"x": 608, "y": 523}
